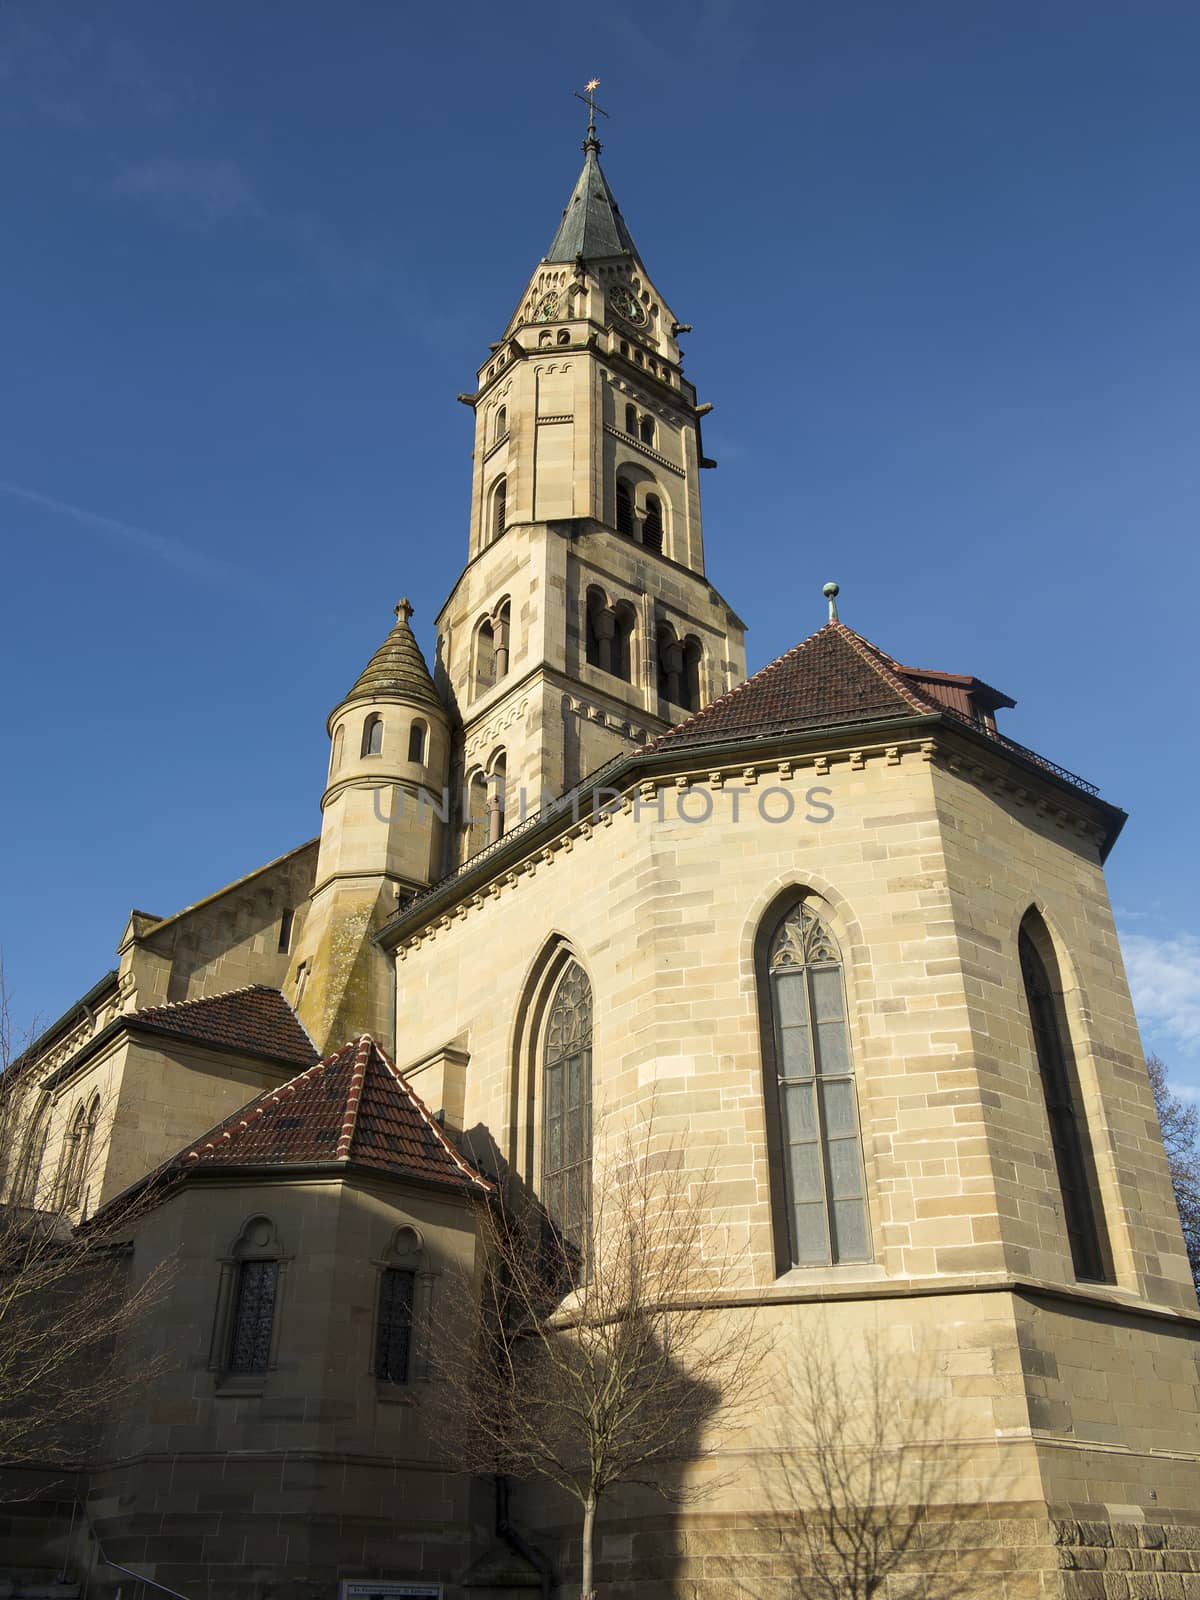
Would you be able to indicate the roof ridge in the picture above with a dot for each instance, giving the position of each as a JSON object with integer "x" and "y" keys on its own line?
{"x": 358, "y": 1073}
{"x": 886, "y": 666}
{"x": 430, "y": 1120}
{"x": 205, "y": 999}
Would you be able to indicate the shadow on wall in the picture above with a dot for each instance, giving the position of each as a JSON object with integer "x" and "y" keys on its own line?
{"x": 591, "y": 1375}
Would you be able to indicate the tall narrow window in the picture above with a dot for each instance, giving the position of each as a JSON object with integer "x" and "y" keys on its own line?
{"x": 485, "y": 656}
{"x": 69, "y": 1175}
{"x": 692, "y": 655}
{"x": 372, "y": 739}
{"x": 417, "y": 736}
{"x": 335, "y": 759}
{"x": 253, "y": 1317}
{"x": 393, "y": 1333}
{"x": 624, "y": 619}
{"x": 499, "y": 508}
{"x": 33, "y": 1156}
{"x": 647, "y": 430}
{"x": 624, "y": 510}
{"x": 285, "y": 930}
{"x": 83, "y": 1182}
{"x": 1068, "y": 1127}
{"x": 631, "y": 420}
{"x": 817, "y": 1135}
{"x": 567, "y": 1090}
{"x": 652, "y": 524}
{"x": 500, "y": 431}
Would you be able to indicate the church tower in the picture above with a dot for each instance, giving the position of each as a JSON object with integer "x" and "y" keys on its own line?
{"x": 583, "y": 623}
{"x": 381, "y": 837}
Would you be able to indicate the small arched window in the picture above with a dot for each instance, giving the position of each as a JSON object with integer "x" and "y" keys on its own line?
{"x": 544, "y": 339}
{"x": 692, "y": 654}
{"x": 622, "y": 652}
{"x": 564, "y": 336}
{"x": 1073, "y": 1157}
{"x": 475, "y": 822}
{"x": 249, "y": 1345}
{"x": 647, "y": 430}
{"x": 652, "y": 524}
{"x": 396, "y": 1308}
{"x": 335, "y": 759}
{"x": 418, "y": 736}
{"x": 596, "y": 606}
{"x": 814, "y": 1138}
{"x": 567, "y": 1103}
{"x": 372, "y": 735}
{"x": 499, "y": 517}
{"x": 485, "y": 656}
{"x": 500, "y": 430}
{"x": 631, "y": 425}
{"x": 624, "y": 509}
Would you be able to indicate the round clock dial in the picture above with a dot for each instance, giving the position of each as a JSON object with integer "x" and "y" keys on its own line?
{"x": 626, "y": 305}
{"x": 547, "y": 307}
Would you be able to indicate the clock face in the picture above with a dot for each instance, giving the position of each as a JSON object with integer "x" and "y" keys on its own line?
{"x": 547, "y": 307}
{"x": 626, "y": 305}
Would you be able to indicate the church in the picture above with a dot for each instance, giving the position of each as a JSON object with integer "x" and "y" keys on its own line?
{"x": 851, "y": 940}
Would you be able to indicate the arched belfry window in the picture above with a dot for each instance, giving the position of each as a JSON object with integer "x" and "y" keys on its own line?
{"x": 567, "y": 1107}
{"x": 499, "y": 519}
{"x": 812, "y": 1102}
{"x": 624, "y": 509}
{"x": 1064, "y": 1109}
{"x": 652, "y": 524}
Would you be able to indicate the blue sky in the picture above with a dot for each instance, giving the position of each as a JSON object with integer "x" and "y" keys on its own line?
{"x": 941, "y": 261}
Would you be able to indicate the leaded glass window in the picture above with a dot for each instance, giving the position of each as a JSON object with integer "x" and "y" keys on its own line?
{"x": 567, "y": 1097}
{"x": 821, "y": 1146}
{"x": 253, "y": 1317}
{"x": 393, "y": 1336}
{"x": 1068, "y": 1128}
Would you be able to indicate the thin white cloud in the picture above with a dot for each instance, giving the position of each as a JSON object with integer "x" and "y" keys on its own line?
{"x": 1164, "y": 975}
{"x": 163, "y": 548}
{"x": 194, "y": 192}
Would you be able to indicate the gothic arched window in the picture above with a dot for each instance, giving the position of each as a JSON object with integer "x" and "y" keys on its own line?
{"x": 812, "y": 1103}
{"x": 1064, "y": 1111}
{"x": 33, "y": 1155}
{"x": 652, "y": 524}
{"x": 69, "y": 1175}
{"x": 567, "y": 1107}
{"x": 624, "y": 509}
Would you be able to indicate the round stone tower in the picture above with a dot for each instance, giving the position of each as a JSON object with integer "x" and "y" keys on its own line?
{"x": 382, "y": 837}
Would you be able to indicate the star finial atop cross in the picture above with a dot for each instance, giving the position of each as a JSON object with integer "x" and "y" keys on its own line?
{"x": 588, "y": 98}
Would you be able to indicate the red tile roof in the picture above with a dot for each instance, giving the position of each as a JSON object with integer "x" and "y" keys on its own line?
{"x": 255, "y": 1021}
{"x": 353, "y": 1107}
{"x": 835, "y": 676}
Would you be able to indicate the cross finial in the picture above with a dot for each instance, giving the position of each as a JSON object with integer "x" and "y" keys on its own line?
{"x": 588, "y": 98}
{"x": 404, "y": 610}
{"x": 830, "y": 591}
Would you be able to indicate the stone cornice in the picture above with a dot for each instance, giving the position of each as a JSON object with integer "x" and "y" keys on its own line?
{"x": 637, "y": 777}
{"x": 644, "y": 449}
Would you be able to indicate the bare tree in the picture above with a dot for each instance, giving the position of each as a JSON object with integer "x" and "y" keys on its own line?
{"x": 861, "y": 1456}
{"x": 1180, "y": 1124}
{"x": 65, "y": 1310}
{"x": 605, "y": 1365}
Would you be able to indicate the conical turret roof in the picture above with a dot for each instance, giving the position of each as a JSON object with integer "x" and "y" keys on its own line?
{"x": 397, "y": 667}
{"x": 592, "y": 224}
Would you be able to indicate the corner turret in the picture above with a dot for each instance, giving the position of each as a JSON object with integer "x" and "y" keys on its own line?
{"x": 383, "y": 815}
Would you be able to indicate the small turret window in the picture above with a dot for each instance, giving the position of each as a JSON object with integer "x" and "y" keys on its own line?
{"x": 372, "y": 739}
{"x": 335, "y": 759}
{"x": 647, "y": 430}
{"x": 417, "y": 736}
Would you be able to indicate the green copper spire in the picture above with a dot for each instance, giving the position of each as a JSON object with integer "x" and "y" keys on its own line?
{"x": 592, "y": 224}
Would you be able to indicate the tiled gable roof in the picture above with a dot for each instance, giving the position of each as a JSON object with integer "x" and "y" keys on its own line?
{"x": 833, "y": 677}
{"x": 253, "y": 1021}
{"x": 353, "y": 1107}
